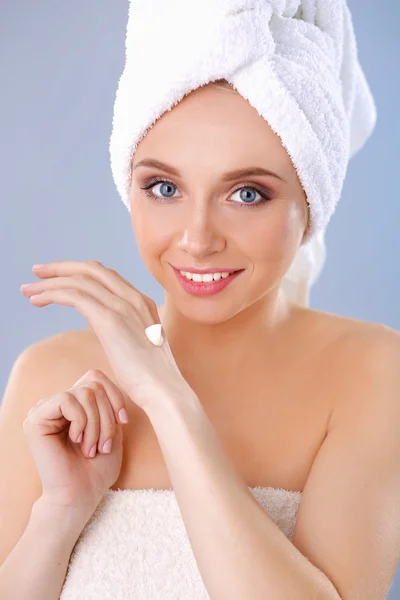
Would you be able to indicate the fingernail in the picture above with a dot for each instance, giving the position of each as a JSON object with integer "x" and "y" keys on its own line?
{"x": 38, "y": 266}
{"x": 92, "y": 451}
{"x": 78, "y": 441}
{"x": 123, "y": 415}
{"x": 107, "y": 446}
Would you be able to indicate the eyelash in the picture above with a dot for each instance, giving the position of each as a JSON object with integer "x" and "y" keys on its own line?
{"x": 264, "y": 196}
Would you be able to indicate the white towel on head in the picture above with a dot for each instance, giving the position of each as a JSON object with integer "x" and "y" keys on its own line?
{"x": 295, "y": 61}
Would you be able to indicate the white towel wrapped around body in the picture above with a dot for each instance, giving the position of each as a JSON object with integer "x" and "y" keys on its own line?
{"x": 136, "y": 546}
{"x": 295, "y": 61}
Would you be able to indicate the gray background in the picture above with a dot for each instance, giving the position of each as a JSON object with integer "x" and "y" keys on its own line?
{"x": 59, "y": 67}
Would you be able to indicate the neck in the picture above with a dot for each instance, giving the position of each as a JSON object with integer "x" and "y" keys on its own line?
{"x": 256, "y": 332}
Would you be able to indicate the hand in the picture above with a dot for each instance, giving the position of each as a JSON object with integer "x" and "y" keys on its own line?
{"x": 70, "y": 476}
{"x": 118, "y": 314}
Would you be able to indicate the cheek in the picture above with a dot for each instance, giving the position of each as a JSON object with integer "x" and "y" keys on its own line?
{"x": 151, "y": 237}
{"x": 276, "y": 237}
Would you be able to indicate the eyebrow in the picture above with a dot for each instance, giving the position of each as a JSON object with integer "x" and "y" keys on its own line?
{"x": 229, "y": 176}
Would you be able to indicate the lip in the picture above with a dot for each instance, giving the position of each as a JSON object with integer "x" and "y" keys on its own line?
{"x": 206, "y": 270}
{"x": 205, "y": 289}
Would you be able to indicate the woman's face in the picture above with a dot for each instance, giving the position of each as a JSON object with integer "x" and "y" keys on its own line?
{"x": 198, "y": 218}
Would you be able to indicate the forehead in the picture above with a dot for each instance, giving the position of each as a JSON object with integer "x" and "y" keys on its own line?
{"x": 213, "y": 120}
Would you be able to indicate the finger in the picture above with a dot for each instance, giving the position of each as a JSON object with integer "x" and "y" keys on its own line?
{"x": 153, "y": 311}
{"x": 37, "y": 404}
{"x": 109, "y": 279}
{"x": 54, "y": 413}
{"x": 83, "y": 284}
{"x": 107, "y": 421}
{"x": 92, "y": 310}
{"x": 74, "y": 412}
{"x": 115, "y": 395}
{"x": 86, "y": 396}
{"x": 89, "y": 308}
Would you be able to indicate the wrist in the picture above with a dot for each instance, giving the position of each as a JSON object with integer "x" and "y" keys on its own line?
{"x": 65, "y": 518}
{"x": 169, "y": 406}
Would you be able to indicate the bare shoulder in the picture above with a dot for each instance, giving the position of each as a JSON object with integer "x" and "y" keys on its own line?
{"x": 77, "y": 351}
{"x": 371, "y": 352}
{"x": 351, "y": 495}
{"x": 61, "y": 341}
{"x": 66, "y": 352}
{"x": 344, "y": 334}
{"x": 362, "y": 341}
{"x": 362, "y": 365}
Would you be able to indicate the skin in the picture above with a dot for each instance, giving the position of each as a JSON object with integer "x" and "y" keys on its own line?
{"x": 258, "y": 363}
{"x": 211, "y": 131}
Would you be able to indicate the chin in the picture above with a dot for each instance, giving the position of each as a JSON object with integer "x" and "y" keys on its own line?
{"x": 209, "y": 311}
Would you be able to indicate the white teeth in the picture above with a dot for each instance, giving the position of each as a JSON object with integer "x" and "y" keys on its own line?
{"x": 207, "y": 277}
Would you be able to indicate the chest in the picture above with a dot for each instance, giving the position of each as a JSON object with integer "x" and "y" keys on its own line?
{"x": 271, "y": 428}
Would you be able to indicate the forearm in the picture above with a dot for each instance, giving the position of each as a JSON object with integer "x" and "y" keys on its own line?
{"x": 37, "y": 566}
{"x": 239, "y": 549}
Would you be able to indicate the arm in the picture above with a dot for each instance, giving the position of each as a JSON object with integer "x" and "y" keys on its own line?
{"x": 346, "y": 544}
{"x": 37, "y": 566}
{"x": 41, "y": 370}
{"x": 33, "y": 541}
{"x": 239, "y": 549}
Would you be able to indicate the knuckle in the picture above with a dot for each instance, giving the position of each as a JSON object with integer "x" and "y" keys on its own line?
{"x": 141, "y": 301}
{"x": 67, "y": 397}
{"x": 82, "y": 420}
{"x": 29, "y": 421}
{"x": 29, "y": 415}
{"x": 41, "y": 401}
{"x": 115, "y": 318}
{"x": 95, "y": 373}
{"x": 98, "y": 389}
{"x": 148, "y": 301}
{"x": 107, "y": 431}
{"x": 82, "y": 277}
{"x": 122, "y": 306}
{"x": 88, "y": 394}
{"x": 94, "y": 263}
{"x": 26, "y": 424}
{"x": 146, "y": 307}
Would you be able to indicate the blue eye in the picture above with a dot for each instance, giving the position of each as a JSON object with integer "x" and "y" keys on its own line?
{"x": 265, "y": 197}
{"x": 247, "y": 200}
{"x": 153, "y": 184}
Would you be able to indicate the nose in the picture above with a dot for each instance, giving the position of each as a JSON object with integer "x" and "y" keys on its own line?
{"x": 201, "y": 234}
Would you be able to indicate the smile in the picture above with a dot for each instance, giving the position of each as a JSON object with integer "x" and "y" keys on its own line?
{"x": 207, "y": 284}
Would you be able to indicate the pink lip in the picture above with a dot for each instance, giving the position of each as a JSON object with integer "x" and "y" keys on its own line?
{"x": 205, "y": 289}
{"x": 206, "y": 270}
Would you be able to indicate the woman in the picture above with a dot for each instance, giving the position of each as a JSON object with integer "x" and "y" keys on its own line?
{"x": 264, "y": 430}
